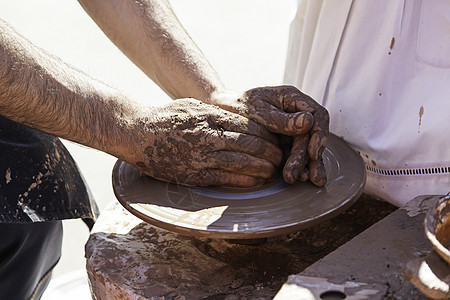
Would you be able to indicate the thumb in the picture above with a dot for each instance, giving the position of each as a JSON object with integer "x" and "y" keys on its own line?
{"x": 290, "y": 124}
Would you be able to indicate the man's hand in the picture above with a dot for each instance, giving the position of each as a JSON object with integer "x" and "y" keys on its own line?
{"x": 286, "y": 110}
{"x": 170, "y": 58}
{"x": 192, "y": 143}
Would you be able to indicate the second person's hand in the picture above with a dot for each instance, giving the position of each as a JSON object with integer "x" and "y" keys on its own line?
{"x": 286, "y": 110}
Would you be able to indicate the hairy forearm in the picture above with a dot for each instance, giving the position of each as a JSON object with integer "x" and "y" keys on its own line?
{"x": 40, "y": 91}
{"x": 149, "y": 33}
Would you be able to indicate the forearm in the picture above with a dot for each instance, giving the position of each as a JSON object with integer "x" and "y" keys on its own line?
{"x": 40, "y": 91}
{"x": 149, "y": 33}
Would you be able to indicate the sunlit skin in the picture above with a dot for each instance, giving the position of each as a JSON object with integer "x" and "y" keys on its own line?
{"x": 167, "y": 54}
{"x": 216, "y": 137}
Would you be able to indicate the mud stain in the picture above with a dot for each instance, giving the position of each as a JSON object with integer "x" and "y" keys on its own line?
{"x": 8, "y": 176}
{"x": 420, "y": 118}
{"x": 392, "y": 45}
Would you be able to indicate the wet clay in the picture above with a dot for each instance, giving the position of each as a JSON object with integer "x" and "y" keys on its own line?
{"x": 272, "y": 209}
{"x": 130, "y": 259}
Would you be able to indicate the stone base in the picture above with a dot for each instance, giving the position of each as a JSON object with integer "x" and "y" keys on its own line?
{"x": 378, "y": 257}
{"x": 131, "y": 259}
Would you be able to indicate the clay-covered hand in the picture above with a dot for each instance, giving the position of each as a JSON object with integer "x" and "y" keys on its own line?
{"x": 192, "y": 143}
{"x": 288, "y": 111}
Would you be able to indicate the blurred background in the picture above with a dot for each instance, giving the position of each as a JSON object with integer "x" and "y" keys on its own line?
{"x": 244, "y": 40}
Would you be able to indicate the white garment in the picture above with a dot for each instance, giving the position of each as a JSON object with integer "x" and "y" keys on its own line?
{"x": 382, "y": 69}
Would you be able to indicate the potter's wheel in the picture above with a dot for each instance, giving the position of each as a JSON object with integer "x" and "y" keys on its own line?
{"x": 275, "y": 208}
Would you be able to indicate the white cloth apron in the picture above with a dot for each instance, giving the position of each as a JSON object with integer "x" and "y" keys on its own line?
{"x": 382, "y": 69}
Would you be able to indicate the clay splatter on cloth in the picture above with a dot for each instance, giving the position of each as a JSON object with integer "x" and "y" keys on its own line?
{"x": 420, "y": 118}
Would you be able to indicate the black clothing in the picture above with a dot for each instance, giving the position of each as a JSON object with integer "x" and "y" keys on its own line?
{"x": 28, "y": 253}
{"x": 39, "y": 180}
{"x": 40, "y": 184}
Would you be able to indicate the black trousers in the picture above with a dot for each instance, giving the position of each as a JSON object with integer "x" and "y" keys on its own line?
{"x": 28, "y": 254}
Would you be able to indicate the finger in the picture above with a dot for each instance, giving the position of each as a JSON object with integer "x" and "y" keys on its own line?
{"x": 293, "y": 100}
{"x": 304, "y": 175}
{"x": 317, "y": 145}
{"x": 286, "y": 97}
{"x": 249, "y": 144}
{"x": 317, "y": 173}
{"x": 238, "y": 123}
{"x": 319, "y": 134}
{"x": 297, "y": 159}
{"x": 279, "y": 121}
{"x": 240, "y": 163}
{"x": 209, "y": 177}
